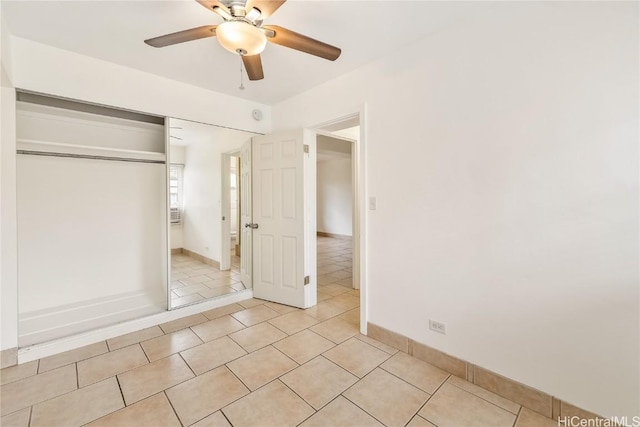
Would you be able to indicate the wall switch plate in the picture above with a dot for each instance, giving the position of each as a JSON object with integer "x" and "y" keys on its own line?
{"x": 438, "y": 327}
{"x": 372, "y": 203}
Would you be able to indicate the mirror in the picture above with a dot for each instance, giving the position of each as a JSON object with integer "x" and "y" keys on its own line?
{"x": 197, "y": 185}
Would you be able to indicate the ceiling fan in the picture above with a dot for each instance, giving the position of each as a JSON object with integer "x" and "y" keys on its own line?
{"x": 242, "y": 33}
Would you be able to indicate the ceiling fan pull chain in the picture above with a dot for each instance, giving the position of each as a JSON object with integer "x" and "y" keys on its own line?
{"x": 241, "y": 84}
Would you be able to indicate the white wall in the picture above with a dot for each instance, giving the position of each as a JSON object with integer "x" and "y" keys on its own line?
{"x": 334, "y": 195}
{"x": 177, "y": 154}
{"x": 5, "y": 48}
{"x": 80, "y": 240}
{"x": 509, "y": 143}
{"x": 41, "y": 68}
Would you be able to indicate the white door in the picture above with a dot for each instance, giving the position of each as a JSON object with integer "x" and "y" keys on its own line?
{"x": 246, "y": 249}
{"x": 281, "y": 220}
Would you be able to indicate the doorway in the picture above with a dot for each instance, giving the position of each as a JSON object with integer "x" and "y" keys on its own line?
{"x": 288, "y": 144}
{"x": 334, "y": 209}
{"x": 230, "y": 206}
{"x": 339, "y": 215}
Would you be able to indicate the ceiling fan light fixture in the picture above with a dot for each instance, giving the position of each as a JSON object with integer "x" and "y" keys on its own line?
{"x": 241, "y": 38}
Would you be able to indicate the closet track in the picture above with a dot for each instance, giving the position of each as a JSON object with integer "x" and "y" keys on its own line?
{"x": 87, "y": 156}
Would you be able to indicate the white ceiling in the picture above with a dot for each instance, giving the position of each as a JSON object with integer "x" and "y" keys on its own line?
{"x": 114, "y": 31}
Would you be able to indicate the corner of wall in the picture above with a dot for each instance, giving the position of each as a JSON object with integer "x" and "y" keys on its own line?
{"x": 5, "y": 52}
{"x": 8, "y": 219}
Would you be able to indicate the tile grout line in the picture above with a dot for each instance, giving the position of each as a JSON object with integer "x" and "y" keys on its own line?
{"x": 287, "y": 356}
{"x": 246, "y": 395}
{"x": 379, "y": 366}
{"x": 143, "y": 352}
{"x": 517, "y": 416}
{"x": 353, "y": 385}
{"x": 430, "y": 397}
{"x": 357, "y": 336}
{"x": 239, "y": 379}
{"x": 315, "y": 411}
{"x": 188, "y": 366}
{"x": 324, "y": 406}
{"x": 121, "y": 392}
{"x": 123, "y": 401}
{"x": 482, "y": 398}
{"x": 164, "y": 389}
{"x": 407, "y": 382}
{"x": 166, "y": 396}
{"x": 358, "y": 406}
{"x": 122, "y": 372}
{"x": 225, "y": 415}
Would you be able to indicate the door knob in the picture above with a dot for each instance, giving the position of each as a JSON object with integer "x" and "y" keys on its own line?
{"x": 251, "y": 225}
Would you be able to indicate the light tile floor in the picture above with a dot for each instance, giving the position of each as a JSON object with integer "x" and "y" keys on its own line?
{"x": 193, "y": 280}
{"x": 254, "y": 363}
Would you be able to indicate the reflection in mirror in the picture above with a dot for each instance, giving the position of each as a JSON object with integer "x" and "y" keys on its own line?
{"x": 195, "y": 192}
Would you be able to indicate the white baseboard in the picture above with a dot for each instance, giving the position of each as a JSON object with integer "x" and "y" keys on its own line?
{"x": 70, "y": 342}
{"x": 334, "y": 235}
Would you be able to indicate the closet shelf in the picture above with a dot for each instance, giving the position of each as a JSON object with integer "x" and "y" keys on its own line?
{"x": 86, "y": 150}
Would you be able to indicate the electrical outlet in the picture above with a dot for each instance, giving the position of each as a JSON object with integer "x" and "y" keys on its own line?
{"x": 438, "y": 327}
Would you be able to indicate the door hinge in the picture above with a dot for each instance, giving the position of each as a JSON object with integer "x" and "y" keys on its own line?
{"x": 306, "y": 280}
{"x": 306, "y": 148}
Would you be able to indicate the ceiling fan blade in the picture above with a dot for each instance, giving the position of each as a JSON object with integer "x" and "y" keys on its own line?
{"x": 253, "y": 65}
{"x": 210, "y": 4}
{"x": 183, "y": 36}
{"x": 266, "y": 7}
{"x": 302, "y": 43}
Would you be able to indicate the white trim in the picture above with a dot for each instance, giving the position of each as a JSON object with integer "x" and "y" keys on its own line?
{"x": 225, "y": 234}
{"x": 310, "y": 163}
{"x": 39, "y": 351}
{"x": 225, "y": 210}
{"x": 334, "y": 136}
{"x": 167, "y": 202}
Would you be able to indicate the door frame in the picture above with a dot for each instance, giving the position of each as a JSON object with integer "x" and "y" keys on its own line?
{"x": 225, "y": 210}
{"x": 359, "y": 221}
{"x": 354, "y": 204}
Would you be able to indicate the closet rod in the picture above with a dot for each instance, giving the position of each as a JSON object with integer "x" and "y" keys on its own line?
{"x": 87, "y": 156}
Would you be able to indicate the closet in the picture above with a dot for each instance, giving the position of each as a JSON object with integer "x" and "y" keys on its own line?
{"x": 92, "y": 216}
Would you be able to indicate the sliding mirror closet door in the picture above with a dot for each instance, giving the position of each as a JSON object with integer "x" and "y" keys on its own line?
{"x": 201, "y": 225}
{"x": 92, "y": 234}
